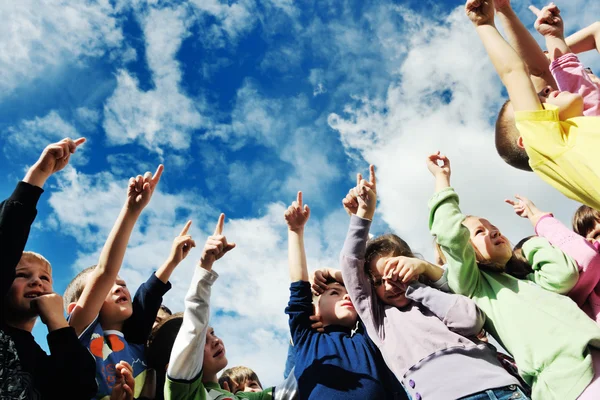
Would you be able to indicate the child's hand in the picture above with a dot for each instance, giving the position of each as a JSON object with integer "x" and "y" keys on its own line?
{"x": 526, "y": 209}
{"x": 548, "y": 22}
{"x": 296, "y": 215}
{"x": 141, "y": 189}
{"x": 404, "y": 269}
{"x": 54, "y": 158}
{"x": 366, "y": 192}
{"x": 216, "y": 246}
{"x": 350, "y": 202}
{"x": 319, "y": 281}
{"x": 181, "y": 246}
{"x": 317, "y": 324}
{"x": 50, "y": 309}
{"x": 125, "y": 384}
{"x": 480, "y": 12}
{"x": 435, "y": 168}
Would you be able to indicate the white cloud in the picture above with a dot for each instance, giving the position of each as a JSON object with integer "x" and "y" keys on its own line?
{"x": 30, "y": 137}
{"x": 36, "y": 35}
{"x": 413, "y": 119}
{"x": 163, "y": 116}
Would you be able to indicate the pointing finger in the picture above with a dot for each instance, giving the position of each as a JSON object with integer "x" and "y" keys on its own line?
{"x": 358, "y": 179}
{"x": 219, "y": 227}
{"x": 535, "y": 10}
{"x": 158, "y": 173}
{"x": 372, "y": 174}
{"x": 299, "y": 199}
{"x": 186, "y": 228}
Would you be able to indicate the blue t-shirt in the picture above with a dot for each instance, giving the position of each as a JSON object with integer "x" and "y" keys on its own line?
{"x": 110, "y": 347}
{"x": 339, "y": 364}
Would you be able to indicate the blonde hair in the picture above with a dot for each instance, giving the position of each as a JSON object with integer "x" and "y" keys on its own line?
{"x": 482, "y": 262}
{"x": 32, "y": 257}
{"x": 240, "y": 375}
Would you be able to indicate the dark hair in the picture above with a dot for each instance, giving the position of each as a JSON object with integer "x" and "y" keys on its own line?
{"x": 518, "y": 266}
{"x": 385, "y": 245}
{"x": 76, "y": 286}
{"x": 506, "y": 140}
{"x": 585, "y": 219}
{"x": 159, "y": 346}
{"x": 166, "y": 309}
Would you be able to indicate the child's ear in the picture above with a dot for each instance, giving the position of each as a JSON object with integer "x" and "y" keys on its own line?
{"x": 70, "y": 307}
{"x": 520, "y": 142}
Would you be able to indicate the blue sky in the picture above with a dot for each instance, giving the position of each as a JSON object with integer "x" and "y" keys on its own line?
{"x": 245, "y": 103}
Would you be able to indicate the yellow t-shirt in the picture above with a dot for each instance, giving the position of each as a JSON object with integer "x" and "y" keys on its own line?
{"x": 566, "y": 154}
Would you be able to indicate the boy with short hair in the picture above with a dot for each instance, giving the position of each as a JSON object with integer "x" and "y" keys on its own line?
{"x": 108, "y": 322}
{"x": 26, "y": 371}
{"x": 341, "y": 362}
{"x": 554, "y": 139}
{"x": 198, "y": 354}
{"x": 240, "y": 379}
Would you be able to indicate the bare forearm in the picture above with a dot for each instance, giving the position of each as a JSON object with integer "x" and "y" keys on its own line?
{"x": 556, "y": 46}
{"x": 113, "y": 251}
{"x": 433, "y": 272}
{"x": 35, "y": 177}
{"x": 441, "y": 182}
{"x": 165, "y": 271}
{"x": 503, "y": 57}
{"x": 586, "y": 39}
{"x": 526, "y": 47}
{"x": 297, "y": 256}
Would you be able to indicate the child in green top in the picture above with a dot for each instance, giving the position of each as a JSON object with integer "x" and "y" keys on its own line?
{"x": 551, "y": 339}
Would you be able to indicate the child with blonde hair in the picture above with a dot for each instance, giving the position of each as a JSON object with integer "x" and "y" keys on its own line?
{"x": 554, "y": 139}
{"x": 26, "y": 293}
{"x": 552, "y": 341}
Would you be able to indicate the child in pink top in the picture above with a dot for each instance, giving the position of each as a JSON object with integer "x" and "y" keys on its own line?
{"x": 570, "y": 75}
{"x": 586, "y": 293}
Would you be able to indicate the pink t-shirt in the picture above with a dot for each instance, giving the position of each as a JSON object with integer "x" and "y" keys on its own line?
{"x": 570, "y": 75}
{"x": 586, "y": 292}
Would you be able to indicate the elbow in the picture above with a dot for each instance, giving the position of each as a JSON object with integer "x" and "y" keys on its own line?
{"x": 465, "y": 318}
{"x": 507, "y": 72}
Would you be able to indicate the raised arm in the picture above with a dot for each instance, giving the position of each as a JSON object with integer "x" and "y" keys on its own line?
{"x": 586, "y": 39}
{"x": 553, "y": 270}
{"x": 577, "y": 247}
{"x": 187, "y": 356}
{"x": 550, "y": 25}
{"x": 509, "y": 66}
{"x": 18, "y": 212}
{"x": 296, "y": 217}
{"x": 102, "y": 278}
{"x": 525, "y": 45}
{"x": 446, "y": 224}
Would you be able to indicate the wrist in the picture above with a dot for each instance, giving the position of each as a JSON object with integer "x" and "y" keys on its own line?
{"x": 36, "y": 177}
{"x": 57, "y": 323}
{"x": 206, "y": 264}
{"x": 365, "y": 214}
{"x": 535, "y": 218}
{"x": 442, "y": 181}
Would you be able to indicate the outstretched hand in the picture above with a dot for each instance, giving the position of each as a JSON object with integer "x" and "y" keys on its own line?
{"x": 55, "y": 157}
{"x": 526, "y": 209}
{"x": 182, "y": 245}
{"x": 548, "y": 21}
{"x": 141, "y": 188}
{"x": 216, "y": 246}
{"x": 297, "y": 214}
{"x": 366, "y": 194}
{"x": 480, "y": 12}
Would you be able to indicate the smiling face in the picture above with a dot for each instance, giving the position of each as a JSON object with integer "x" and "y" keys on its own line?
{"x": 489, "y": 244}
{"x": 32, "y": 279}
{"x": 214, "y": 354}
{"x": 335, "y": 307}
{"x": 390, "y": 292}
{"x": 116, "y": 307}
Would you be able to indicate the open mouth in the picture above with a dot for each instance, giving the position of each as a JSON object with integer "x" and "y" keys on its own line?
{"x": 32, "y": 295}
{"x": 122, "y": 299}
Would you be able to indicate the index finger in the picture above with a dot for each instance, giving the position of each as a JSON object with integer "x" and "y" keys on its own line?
{"x": 219, "y": 227}
{"x": 186, "y": 228}
{"x": 535, "y": 10}
{"x": 358, "y": 179}
{"x": 79, "y": 141}
{"x": 372, "y": 174}
{"x": 299, "y": 199}
{"x": 158, "y": 173}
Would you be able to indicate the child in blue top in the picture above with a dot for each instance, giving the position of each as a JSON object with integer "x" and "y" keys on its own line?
{"x": 341, "y": 362}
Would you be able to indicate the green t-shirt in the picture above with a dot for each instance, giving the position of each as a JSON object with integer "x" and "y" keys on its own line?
{"x": 546, "y": 333}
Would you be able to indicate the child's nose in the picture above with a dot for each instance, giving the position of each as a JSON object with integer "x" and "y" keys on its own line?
{"x": 346, "y": 296}
{"x": 35, "y": 281}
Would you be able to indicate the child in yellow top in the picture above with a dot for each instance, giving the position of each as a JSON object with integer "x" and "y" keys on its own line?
{"x": 554, "y": 139}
